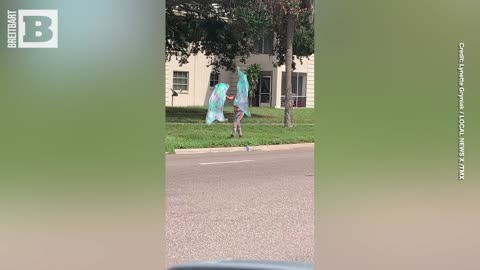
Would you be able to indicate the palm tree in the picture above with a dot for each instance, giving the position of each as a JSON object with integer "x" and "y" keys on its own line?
{"x": 253, "y": 73}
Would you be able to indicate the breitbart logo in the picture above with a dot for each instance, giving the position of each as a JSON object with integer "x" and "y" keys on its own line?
{"x": 32, "y": 28}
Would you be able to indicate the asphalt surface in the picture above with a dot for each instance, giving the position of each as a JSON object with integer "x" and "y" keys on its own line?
{"x": 241, "y": 205}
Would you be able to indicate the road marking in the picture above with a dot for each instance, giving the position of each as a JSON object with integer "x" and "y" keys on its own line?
{"x": 227, "y": 162}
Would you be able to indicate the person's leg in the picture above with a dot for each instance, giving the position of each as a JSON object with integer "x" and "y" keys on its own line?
{"x": 234, "y": 129}
{"x": 239, "y": 127}
{"x": 235, "y": 123}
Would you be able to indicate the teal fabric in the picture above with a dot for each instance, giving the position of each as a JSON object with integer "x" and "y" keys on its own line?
{"x": 216, "y": 103}
{"x": 241, "y": 99}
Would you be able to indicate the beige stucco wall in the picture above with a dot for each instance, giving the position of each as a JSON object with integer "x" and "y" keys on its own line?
{"x": 311, "y": 82}
{"x": 306, "y": 66}
{"x": 199, "y": 78}
{"x": 198, "y": 81}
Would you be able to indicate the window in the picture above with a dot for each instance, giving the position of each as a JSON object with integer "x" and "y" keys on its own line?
{"x": 264, "y": 45}
{"x": 268, "y": 44}
{"x": 299, "y": 89}
{"x": 180, "y": 81}
{"x": 214, "y": 78}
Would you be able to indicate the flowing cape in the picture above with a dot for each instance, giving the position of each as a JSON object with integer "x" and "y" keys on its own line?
{"x": 241, "y": 99}
{"x": 216, "y": 103}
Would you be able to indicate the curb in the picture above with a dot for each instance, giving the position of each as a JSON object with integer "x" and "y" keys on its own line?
{"x": 247, "y": 124}
{"x": 244, "y": 149}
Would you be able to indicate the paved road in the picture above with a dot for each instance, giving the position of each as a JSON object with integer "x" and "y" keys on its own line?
{"x": 242, "y": 205}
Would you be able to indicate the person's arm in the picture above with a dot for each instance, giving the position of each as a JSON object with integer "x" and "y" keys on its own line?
{"x": 230, "y": 98}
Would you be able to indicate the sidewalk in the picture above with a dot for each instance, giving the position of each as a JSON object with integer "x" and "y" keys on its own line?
{"x": 244, "y": 149}
{"x": 243, "y": 124}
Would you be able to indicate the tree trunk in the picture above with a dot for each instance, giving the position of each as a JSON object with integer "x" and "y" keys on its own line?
{"x": 288, "y": 70}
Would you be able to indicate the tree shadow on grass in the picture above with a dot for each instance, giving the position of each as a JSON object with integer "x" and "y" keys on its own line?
{"x": 198, "y": 114}
{"x": 185, "y": 114}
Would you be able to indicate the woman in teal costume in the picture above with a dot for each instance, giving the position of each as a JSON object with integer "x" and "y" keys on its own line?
{"x": 216, "y": 103}
{"x": 240, "y": 103}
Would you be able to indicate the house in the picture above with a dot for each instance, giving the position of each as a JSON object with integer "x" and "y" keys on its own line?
{"x": 193, "y": 82}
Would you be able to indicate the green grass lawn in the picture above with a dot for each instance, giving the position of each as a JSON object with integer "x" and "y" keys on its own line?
{"x": 186, "y": 128}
